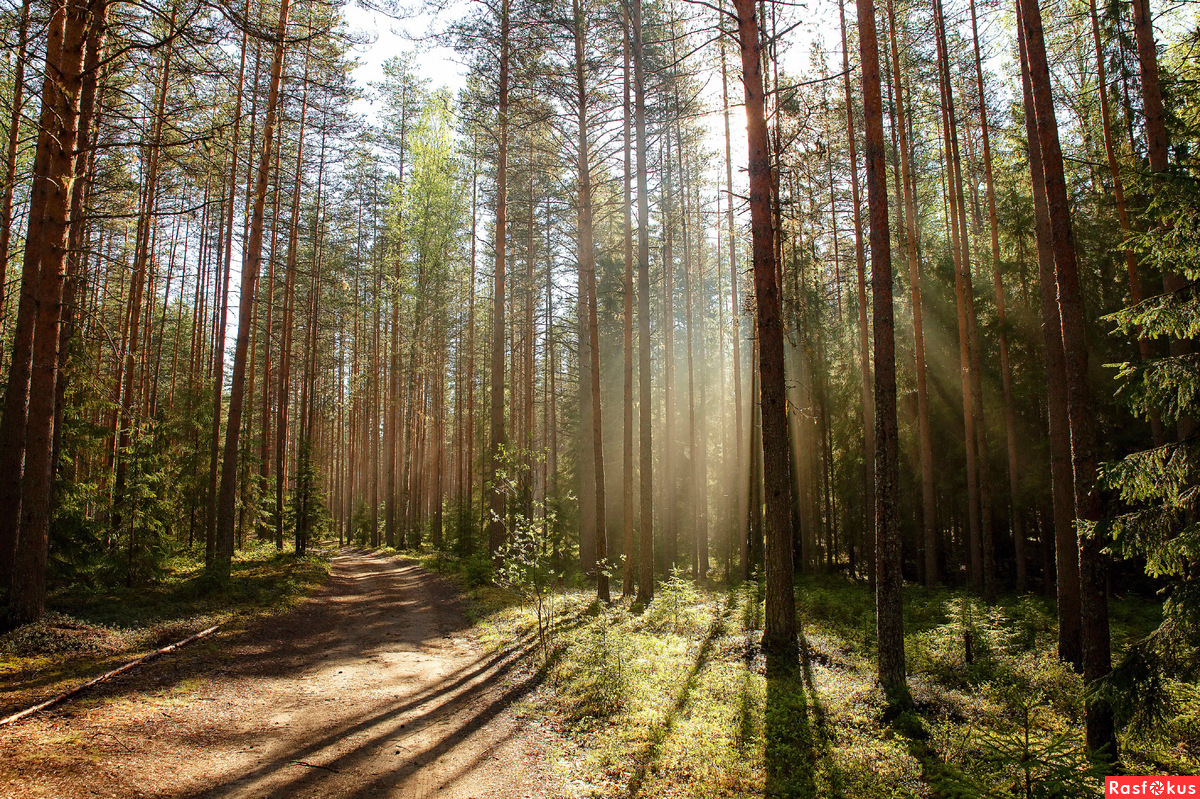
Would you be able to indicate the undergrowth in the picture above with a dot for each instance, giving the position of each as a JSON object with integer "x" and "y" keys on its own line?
{"x": 86, "y": 630}
{"x": 673, "y": 701}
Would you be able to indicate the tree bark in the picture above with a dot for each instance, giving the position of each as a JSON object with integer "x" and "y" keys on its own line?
{"x": 1059, "y": 432}
{"x": 1097, "y": 657}
{"x": 735, "y": 321}
{"x": 627, "y": 585}
{"x": 46, "y": 254}
{"x": 860, "y": 265}
{"x": 646, "y": 462}
{"x": 14, "y": 138}
{"x": 250, "y": 268}
{"x": 496, "y": 524}
{"x": 779, "y": 633}
{"x": 888, "y": 578}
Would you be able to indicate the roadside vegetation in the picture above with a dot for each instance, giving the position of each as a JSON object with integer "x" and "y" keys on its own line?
{"x": 673, "y": 700}
{"x": 94, "y": 626}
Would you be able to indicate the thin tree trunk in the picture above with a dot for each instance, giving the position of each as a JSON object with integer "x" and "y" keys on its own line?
{"x": 142, "y": 261}
{"x": 739, "y": 515}
{"x": 250, "y": 268}
{"x": 283, "y": 391}
{"x": 928, "y": 507}
{"x": 860, "y": 265}
{"x": 587, "y": 269}
{"x": 1010, "y": 424}
{"x": 645, "y": 466}
{"x": 10, "y": 159}
{"x": 1110, "y": 152}
{"x": 627, "y": 586}
{"x": 496, "y": 525}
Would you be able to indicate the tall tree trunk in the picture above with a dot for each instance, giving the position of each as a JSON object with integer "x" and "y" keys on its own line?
{"x": 1061, "y": 485}
{"x": 860, "y": 264}
{"x": 287, "y": 325}
{"x": 888, "y": 598}
{"x": 219, "y": 355}
{"x": 627, "y": 585}
{"x": 10, "y": 158}
{"x": 963, "y": 302}
{"x": 1156, "y": 146}
{"x": 81, "y": 194}
{"x": 496, "y": 525}
{"x": 141, "y": 262}
{"x": 1010, "y": 424}
{"x": 250, "y": 268}
{"x": 779, "y": 633}
{"x": 45, "y": 264}
{"x": 1097, "y": 658}
{"x": 587, "y": 270}
{"x": 735, "y": 320}
{"x": 670, "y": 520}
{"x": 645, "y": 466}
{"x": 912, "y": 239}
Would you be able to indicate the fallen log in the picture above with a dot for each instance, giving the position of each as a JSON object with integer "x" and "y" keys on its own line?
{"x": 65, "y": 695}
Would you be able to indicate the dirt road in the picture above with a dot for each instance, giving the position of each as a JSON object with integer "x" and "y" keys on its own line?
{"x": 371, "y": 688}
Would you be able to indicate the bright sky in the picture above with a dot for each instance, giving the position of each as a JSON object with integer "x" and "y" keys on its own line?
{"x": 391, "y": 37}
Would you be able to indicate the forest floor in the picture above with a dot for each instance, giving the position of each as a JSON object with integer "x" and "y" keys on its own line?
{"x": 673, "y": 700}
{"x": 375, "y": 686}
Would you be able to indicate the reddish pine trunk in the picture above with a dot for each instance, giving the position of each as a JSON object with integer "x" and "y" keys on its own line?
{"x": 45, "y": 262}
{"x": 779, "y": 633}
{"x": 864, "y": 355}
{"x": 496, "y": 524}
{"x": 1097, "y": 658}
{"x": 1063, "y": 514}
{"x": 283, "y": 391}
{"x": 888, "y": 599}
{"x": 14, "y": 137}
{"x": 250, "y": 268}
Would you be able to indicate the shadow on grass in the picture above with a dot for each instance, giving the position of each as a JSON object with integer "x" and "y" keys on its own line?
{"x": 907, "y": 723}
{"x": 653, "y": 750}
{"x": 118, "y": 624}
{"x": 797, "y": 756}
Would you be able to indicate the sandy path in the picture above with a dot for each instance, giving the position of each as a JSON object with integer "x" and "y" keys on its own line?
{"x": 372, "y": 688}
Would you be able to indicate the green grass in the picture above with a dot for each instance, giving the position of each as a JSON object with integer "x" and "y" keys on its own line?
{"x": 673, "y": 700}
{"x": 84, "y": 632}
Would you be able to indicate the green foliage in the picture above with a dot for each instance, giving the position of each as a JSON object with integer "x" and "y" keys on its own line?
{"x": 360, "y": 525}
{"x": 526, "y": 564}
{"x": 675, "y": 606}
{"x": 599, "y": 676}
{"x": 1025, "y": 762}
{"x": 1157, "y": 520}
{"x": 307, "y": 508}
{"x": 102, "y": 620}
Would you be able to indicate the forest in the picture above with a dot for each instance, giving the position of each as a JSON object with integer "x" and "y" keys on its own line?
{"x": 803, "y": 399}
